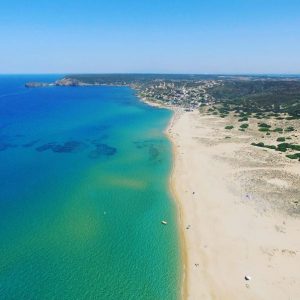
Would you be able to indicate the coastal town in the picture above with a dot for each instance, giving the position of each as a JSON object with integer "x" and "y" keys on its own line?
{"x": 187, "y": 94}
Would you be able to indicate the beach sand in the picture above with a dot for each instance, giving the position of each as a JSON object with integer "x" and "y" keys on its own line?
{"x": 238, "y": 210}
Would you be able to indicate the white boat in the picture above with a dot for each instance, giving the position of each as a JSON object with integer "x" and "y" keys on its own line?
{"x": 164, "y": 222}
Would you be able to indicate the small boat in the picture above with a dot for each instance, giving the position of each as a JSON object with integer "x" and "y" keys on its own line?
{"x": 164, "y": 222}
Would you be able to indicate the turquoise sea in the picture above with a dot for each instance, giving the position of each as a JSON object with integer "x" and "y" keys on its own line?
{"x": 83, "y": 190}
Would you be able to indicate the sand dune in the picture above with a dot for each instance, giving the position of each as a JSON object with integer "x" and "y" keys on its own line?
{"x": 238, "y": 213}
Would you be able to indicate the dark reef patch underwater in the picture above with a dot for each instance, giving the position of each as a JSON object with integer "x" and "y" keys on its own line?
{"x": 66, "y": 147}
{"x": 84, "y": 187}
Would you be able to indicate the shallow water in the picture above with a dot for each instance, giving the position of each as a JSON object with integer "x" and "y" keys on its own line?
{"x": 83, "y": 189}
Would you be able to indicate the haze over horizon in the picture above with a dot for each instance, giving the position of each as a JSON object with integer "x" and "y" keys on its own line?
{"x": 219, "y": 37}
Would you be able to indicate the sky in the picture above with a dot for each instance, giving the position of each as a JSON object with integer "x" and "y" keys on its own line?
{"x": 150, "y": 36}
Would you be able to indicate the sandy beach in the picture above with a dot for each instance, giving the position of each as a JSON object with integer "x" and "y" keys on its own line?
{"x": 239, "y": 212}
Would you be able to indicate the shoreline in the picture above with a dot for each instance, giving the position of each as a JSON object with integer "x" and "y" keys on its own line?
{"x": 171, "y": 186}
{"x": 172, "y": 189}
{"x": 179, "y": 214}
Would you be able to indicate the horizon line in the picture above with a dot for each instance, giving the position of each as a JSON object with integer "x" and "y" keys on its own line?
{"x": 154, "y": 73}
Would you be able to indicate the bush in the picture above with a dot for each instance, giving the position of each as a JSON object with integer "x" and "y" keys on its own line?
{"x": 282, "y": 147}
{"x": 294, "y": 147}
{"x": 223, "y": 111}
{"x": 294, "y": 156}
{"x": 260, "y": 144}
{"x": 229, "y": 127}
{"x": 264, "y": 125}
{"x": 278, "y": 129}
{"x": 281, "y": 139}
{"x": 264, "y": 129}
{"x": 290, "y": 128}
{"x": 243, "y": 119}
{"x": 270, "y": 147}
{"x": 244, "y": 126}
